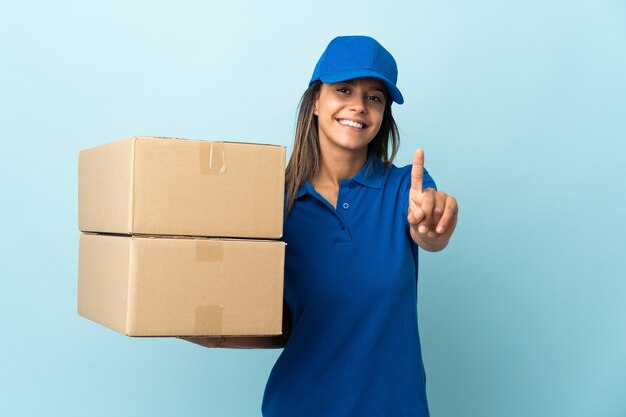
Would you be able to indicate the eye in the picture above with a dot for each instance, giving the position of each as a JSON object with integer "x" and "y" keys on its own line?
{"x": 376, "y": 99}
{"x": 344, "y": 90}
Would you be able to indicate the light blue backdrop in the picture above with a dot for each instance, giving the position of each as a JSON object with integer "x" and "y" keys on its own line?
{"x": 520, "y": 106}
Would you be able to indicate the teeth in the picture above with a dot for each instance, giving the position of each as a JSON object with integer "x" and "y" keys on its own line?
{"x": 351, "y": 123}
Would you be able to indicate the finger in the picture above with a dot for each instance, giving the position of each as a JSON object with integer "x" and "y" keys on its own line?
{"x": 428, "y": 204}
{"x": 449, "y": 215}
{"x": 417, "y": 171}
{"x": 415, "y": 199}
{"x": 415, "y": 216}
{"x": 440, "y": 204}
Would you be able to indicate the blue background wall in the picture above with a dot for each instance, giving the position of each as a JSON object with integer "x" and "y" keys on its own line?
{"x": 519, "y": 104}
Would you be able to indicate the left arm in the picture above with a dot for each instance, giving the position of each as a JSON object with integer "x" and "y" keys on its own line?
{"x": 432, "y": 214}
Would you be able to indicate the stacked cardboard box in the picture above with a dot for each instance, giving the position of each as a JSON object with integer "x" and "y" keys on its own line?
{"x": 179, "y": 237}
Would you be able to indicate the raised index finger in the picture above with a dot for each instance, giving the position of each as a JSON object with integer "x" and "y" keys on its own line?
{"x": 417, "y": 172}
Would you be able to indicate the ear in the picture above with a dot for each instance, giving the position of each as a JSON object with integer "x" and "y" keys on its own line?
{"x": 317, "y": 98}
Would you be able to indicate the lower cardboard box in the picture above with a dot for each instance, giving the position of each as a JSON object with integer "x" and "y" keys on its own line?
{"x": 175, "y": 286}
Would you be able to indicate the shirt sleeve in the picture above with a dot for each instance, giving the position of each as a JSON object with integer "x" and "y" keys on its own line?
{"x": 427, "y": 182}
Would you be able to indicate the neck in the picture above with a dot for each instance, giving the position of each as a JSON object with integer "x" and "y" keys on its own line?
{"x": 337, "y": 167}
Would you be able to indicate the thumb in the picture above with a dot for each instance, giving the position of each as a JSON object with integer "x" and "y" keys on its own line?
{"x": 415, "y": 216}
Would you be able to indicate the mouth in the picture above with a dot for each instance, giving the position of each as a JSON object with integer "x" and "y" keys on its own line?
{"x": 352, "y": 123}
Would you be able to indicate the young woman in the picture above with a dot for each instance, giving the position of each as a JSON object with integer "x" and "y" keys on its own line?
{"x": 353, "y": 226}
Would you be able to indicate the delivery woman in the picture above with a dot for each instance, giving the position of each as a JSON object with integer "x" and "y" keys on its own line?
{"x": 353, "y": 226}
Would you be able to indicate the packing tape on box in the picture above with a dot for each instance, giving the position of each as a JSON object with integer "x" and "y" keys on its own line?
{"x": 208, "y": 320}
{"x": 212, "y": 158}
{"x": 209, "y": 251}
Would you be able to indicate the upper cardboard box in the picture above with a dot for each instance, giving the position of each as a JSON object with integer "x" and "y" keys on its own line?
{"x": 167, "y": 186}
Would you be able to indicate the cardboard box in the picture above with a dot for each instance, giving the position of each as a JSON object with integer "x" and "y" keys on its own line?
{"x": 157, "y": 286}
{"x": 166, "y": 186}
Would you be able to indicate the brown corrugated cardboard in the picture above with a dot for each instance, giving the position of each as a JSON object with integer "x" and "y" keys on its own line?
{"x": 167, "y": 186}
{"x": 158, "y": 286}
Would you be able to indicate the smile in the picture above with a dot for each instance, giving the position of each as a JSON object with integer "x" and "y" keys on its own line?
{"x": 351, "y": 123}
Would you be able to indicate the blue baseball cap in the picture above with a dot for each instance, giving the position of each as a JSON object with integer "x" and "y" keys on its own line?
{"x": 350, "y": 57}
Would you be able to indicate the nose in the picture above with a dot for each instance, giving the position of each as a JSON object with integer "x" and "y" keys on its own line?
{"x": 358, "y": 103}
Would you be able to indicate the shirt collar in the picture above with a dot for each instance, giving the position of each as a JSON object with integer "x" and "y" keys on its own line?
{"x": 370, "y": 175}
{"x": 306, "y": 188}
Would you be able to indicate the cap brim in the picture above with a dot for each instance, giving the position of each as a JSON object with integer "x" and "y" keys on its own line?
{"x": 352, "y": 74}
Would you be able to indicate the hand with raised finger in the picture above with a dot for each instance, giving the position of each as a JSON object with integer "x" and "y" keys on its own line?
{"x": 432, "y": 214}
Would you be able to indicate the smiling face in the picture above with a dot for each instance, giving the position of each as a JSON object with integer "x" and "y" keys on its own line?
{"x": 349, "y": 114}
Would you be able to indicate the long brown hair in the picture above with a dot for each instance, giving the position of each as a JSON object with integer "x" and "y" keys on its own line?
{"x": 304, "y": 162}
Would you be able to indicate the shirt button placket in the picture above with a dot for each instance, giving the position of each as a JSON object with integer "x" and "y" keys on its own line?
{"x": 345, "y": 195}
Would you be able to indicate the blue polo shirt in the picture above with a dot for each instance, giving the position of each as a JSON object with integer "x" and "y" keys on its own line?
{"x": 351, "y": 286}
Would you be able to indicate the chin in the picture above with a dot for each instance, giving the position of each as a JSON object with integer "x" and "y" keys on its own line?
{"x": 353, "y": 147}
{"x": 349, "y": 144}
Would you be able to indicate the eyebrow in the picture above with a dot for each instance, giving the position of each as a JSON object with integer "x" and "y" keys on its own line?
{"x": 370, "y": 87}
